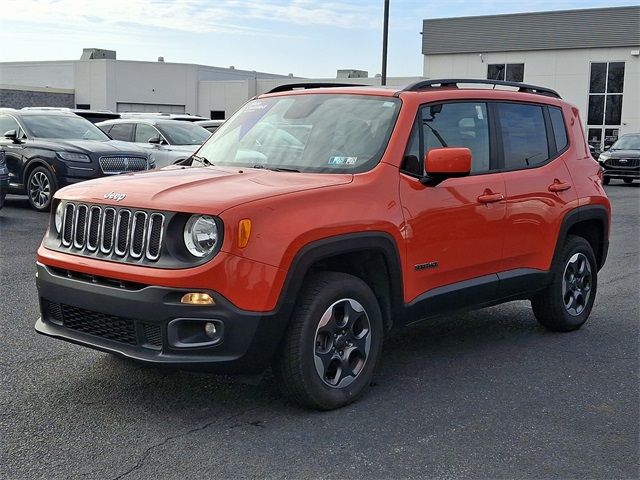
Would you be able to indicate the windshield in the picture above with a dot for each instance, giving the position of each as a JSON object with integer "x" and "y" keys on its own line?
{"x": 307, "y": 133}
{"x": 64, "y": 127}
{"x": 183, "y": 133}
{"x": 627, "y": 142}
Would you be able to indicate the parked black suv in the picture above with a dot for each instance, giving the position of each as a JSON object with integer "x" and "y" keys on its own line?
{"x": 4, "y": 178}
{"x": 622, "y": 160}
{"x": 46, "y": 150}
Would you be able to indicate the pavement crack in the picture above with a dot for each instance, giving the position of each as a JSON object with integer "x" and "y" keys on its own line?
{"x": 141, "y": 460}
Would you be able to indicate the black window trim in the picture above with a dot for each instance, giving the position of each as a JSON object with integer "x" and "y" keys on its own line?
{"x": 553, "y": 131}
{"x": 496, "y": 162}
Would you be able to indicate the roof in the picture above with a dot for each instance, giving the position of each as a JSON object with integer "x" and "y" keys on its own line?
{"x": 566, "y": 29}
{"x": 40, "y": 112}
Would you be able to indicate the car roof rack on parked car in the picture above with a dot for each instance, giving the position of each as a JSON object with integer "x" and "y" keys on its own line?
{"x": 453, "y": 83}
{"x": 303, "y": 86}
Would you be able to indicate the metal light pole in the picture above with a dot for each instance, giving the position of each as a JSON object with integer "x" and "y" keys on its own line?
{"x": 385, "y": 36}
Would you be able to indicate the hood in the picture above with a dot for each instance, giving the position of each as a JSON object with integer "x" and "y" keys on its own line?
{"x": 622, "y": 153}
{"x": 93, "y": 146}
{"x": 208, "y": 190}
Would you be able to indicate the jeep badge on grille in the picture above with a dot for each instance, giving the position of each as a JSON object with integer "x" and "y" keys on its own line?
{"x": 114, "y": 196}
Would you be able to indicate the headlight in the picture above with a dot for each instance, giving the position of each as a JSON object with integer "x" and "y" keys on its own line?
{"x": 74, "y": 157}
{"x": 603, "y": 157}
{"x": 200, "y": 235}
{"x": 58, "y": 218}
{"x": 152, "y": 162}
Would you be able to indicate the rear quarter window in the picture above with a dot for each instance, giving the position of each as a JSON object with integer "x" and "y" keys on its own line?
{"x": 559, "y": 128}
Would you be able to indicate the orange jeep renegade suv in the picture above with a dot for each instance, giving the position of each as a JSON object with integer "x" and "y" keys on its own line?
{"x": 317, "y": 219}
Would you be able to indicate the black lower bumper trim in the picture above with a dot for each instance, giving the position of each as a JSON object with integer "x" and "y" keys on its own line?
{"x": 133, "y": 324}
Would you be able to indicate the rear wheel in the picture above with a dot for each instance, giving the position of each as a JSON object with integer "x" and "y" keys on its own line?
{"x": 40, "y": 189}
{"x": 333, "y": 343}
{"x": 567, "y": 302}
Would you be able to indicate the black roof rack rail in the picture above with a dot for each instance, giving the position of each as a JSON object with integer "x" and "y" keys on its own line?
{"x": 303, "y": 86}
{"x": 453, "y": 83}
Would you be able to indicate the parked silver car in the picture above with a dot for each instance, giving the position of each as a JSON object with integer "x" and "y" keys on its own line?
{"x": 169, "y": 140}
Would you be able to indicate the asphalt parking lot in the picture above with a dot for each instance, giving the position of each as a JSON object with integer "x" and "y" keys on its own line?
{"x": 487, "y": 394}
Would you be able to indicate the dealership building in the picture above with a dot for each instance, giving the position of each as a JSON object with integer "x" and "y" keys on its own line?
{"x": 591, "y": 57}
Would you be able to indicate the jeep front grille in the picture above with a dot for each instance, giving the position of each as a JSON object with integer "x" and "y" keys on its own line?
{"x": 119, "y": 233}
{"x": 116, "y": 165}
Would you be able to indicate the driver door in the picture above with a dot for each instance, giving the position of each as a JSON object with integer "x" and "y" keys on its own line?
{"x": 454, "y": 231}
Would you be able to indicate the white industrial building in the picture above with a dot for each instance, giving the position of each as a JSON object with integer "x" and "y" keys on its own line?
{"x": 591, "y": 57}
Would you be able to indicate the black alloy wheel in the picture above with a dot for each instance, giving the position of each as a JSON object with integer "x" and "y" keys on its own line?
{"x": 40, "y": 189}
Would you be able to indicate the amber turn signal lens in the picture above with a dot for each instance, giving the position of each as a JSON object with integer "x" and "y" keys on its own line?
{"x": 197, "y": 299}
{"x": 244, "y": 232}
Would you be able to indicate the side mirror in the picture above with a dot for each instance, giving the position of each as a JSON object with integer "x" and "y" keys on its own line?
{"x": 12, "y": 135}
{"x": 443, "y": 163}
{"x": 155, "y": 139}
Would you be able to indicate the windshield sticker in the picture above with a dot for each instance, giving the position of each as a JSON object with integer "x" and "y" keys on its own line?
{"x": 252, "y": 114}
{"x": 479, "y": 112}
{"x": 343, "y": 160}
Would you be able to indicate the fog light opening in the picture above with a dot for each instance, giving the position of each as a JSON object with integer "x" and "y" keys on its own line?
{"x": 195, "y": 298}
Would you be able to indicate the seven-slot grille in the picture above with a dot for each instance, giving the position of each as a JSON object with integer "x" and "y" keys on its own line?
{"x": 116, "y": 165}
{"x": 120, "y": 232}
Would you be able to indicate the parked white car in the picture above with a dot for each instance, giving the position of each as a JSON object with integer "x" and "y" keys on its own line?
{"x": 169, "y": 140}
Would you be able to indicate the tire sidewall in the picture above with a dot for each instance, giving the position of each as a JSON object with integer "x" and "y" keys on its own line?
{"x": 357, "y": 290}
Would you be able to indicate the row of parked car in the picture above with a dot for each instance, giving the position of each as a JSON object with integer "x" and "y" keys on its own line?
{"x": 44, "y": 149}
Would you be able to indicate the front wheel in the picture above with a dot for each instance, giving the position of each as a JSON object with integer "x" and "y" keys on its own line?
{"x": 333, "y": 343}
{"x": 567, "y": 302}
{"x": 40, "y": 189}
{"x": 627, "y": 180}
{"x": 606, "y": 180}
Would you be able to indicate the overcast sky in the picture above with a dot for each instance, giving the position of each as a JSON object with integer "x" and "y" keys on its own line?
{"x": 303, "y": 37}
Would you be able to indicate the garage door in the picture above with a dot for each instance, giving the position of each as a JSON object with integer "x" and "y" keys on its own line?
{"x": 149, "y": 107}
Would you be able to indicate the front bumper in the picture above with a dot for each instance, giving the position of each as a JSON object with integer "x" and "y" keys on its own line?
{"x": 618, "y": 171}
{"x": 137, "y": 321}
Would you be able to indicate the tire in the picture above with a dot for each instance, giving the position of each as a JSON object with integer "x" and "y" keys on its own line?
{"x": 40, "y": 189}
{"x": 2, "y": 197}
{"x": 309, "y": 366}
{"x": 566, "y": 303}
{"x": 627, "y": 180}
{"x": 606, "y": 180}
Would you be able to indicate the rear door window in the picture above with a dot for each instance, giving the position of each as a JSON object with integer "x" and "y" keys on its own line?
{"x": 122, "y": 131}
{"x": 524, "y": 135}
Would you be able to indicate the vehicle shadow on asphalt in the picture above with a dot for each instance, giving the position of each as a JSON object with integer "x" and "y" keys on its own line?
{"x": 439, "y": 348}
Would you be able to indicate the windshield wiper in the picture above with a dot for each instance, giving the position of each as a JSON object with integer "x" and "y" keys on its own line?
{"x": 202, "y": 160}
{"x": 275, "y": 169}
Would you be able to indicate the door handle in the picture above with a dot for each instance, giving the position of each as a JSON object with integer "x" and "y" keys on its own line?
{"x": 558, "y": 186}
{"x": 490, "y": 197}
